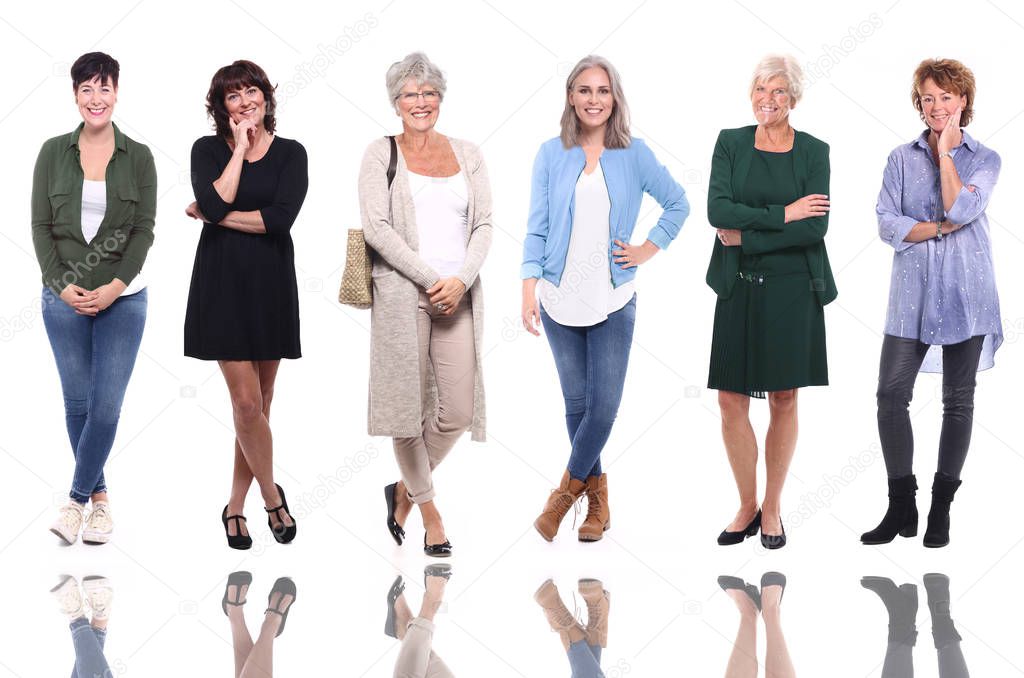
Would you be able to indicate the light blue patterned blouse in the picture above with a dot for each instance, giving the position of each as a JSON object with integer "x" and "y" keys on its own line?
{"x": 942, "y": 291}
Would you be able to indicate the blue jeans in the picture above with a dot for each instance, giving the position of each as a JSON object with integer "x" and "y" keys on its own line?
{"x": 95, "y": 358}
{"x": 89, "y": 659}
{"x": 591, "y": 363}
{"x": 585, "y": 660}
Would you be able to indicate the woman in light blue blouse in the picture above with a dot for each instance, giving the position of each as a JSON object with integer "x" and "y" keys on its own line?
{"x": 931, "y": 210}
{"x": 577, "y": 258}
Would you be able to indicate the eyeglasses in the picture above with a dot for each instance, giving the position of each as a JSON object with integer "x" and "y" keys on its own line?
{"x": 430, "y": 96}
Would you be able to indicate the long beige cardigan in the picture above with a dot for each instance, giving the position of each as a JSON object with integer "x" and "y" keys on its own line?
{"x": 396, "y": 408}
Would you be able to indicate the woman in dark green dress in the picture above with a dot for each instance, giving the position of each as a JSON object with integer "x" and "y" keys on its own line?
{"x": 768, "y": 199}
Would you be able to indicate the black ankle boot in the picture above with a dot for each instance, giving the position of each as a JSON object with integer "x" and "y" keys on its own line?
{"x": 943, "y": 630}
{"x": 901, "y": 604}
{"x": 943, "y": 489}
{"x": 901, "y": 516}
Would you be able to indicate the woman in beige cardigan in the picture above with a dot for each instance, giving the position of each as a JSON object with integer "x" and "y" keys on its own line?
{"x": 430, "y": 229}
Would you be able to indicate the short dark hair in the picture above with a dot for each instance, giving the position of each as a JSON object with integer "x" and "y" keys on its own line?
{"x": 239, "y": 75}
{"x": 94, "y": 65}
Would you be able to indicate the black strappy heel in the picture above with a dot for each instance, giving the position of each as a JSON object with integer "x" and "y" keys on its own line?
{"x": 239, "y": 580}
{"x": 282, "y": 533}
{"x": 286, "y": 587}
{"x": 236, "y": 541}
{"x": 397, "y": 533}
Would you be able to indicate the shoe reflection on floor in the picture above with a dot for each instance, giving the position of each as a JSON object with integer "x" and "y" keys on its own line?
{"x": 94, "y": 597}
{"x": 901, "y": 604}
{"x": 256, "y": 658}
{"x": 582, "y": 644}
{"x": 416, "y": 657}
{"x": 752, "y": 602}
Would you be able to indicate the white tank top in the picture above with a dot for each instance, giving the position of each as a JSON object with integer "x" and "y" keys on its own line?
{"x": 94, "y": 208}
{"x": 442, "y": 215}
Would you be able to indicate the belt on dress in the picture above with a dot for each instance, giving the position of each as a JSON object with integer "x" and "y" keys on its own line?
{"x": 751, "y": 277}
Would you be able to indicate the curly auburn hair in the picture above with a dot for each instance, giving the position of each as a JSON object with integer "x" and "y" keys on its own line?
{"x": 239, "y": 75}
{"x": 951, "y": 76}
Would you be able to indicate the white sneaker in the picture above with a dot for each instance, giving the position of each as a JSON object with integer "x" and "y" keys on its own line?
{"x": 69, "y": 597}
{"x": 100, "y": 596}
{"x": 99, "y": 525}
{"x": 69, "y": 522}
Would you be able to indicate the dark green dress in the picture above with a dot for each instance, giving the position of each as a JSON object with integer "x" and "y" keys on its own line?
{"x": 769, "y": 334}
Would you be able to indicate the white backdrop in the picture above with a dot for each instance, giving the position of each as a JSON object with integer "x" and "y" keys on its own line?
{"x": 685, "y": 71}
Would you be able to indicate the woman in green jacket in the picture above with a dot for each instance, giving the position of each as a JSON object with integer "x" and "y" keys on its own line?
{"x": 768, "y": 200}
{"x": 93, "y": 208}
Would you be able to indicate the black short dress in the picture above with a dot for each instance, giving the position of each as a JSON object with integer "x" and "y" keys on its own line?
{"x": 769, "y": 335}
{"x": 243, "y": 303}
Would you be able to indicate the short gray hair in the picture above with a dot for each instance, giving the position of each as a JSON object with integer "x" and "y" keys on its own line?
{"x": 616, "y": 134}
{"x": 418, "y": 67}
{"x": 782, "y": 65}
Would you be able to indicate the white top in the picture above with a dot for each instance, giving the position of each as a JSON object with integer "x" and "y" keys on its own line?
{"x": 94, "y": 207}
{"x": 585, "y": 295}
{"x": 442, "y": 215}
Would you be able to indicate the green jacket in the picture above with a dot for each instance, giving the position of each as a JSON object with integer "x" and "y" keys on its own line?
{"x": 126, "y": 233}
{"x": 764, "y": 228}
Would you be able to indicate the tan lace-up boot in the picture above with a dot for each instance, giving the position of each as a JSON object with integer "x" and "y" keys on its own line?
{"x": 599, "y": 516}
{"x": 559, "y": 503}
{"x": 559, "y": 618}
{"x": 598, "y": 601}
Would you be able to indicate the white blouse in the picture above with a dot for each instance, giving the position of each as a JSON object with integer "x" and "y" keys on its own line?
{"x": 585, "y": 295}
{"x": 94, "y": 208}
{"x": 442, "y": 214}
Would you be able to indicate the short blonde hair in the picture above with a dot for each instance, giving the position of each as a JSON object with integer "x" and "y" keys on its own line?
{"x": 782, "y": 65}
{"x": 616, "y": 134}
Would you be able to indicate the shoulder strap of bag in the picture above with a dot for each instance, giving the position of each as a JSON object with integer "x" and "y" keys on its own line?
{"x": 393, "y": 162}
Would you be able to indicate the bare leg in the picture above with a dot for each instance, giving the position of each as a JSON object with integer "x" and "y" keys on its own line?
{"x": 741, "y": 447}
{"x": 241, "y": 641}
{"x": 403, "y": 505}
{"x": 777, "y": 663}
{"x": 247, "y": 382}
{"x": 260, "y": 663}
{"x": 743, "y": 660}
{"x": 403, "y": 615}
{"x": 779, "y": 445}
{"x": 432, "y": 523}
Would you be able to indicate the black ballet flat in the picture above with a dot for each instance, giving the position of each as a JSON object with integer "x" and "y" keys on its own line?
{"x": 282, "y": 533}
{"x": 774, "y": 541}
{"x": 286, "y": 587}
{"x": 774, "y": 579}
{"x": 397, "y": 533}
{"x": 391, "y": 624}
{"x": 436, "y": 570}
{"x": 730, "y": 538}
{"x": 727, "y": 583}
{"x": 238, "y": 541}
{"x": 238, "y": 580}
{"x": 437, "y": 550}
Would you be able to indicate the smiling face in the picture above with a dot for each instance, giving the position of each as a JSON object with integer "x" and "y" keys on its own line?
{"x": 418, "y": 104}
{"x": 591, "y": 98}
{"x": 771, "y": 101}
{"x": 938, "y": 105}
{"x": 246, "y": 103}
{"x": 96, "y": 101}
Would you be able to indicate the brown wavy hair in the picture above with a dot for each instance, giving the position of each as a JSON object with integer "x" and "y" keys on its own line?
{"x": 951, "y": 76}
{"x": 239, "y": 75}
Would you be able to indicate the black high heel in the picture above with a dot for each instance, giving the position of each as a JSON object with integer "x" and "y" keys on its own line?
{"x": 283, "y": 534}
{"x": 238, "y": 580}
{"x": 729, "y": 538}
{"x": 286, "y": 587}
{"x": 397, "y": 533}
{"x": 437, "y": 550}
{"x": 774, "y": 541}
{"x": 726, "y": 583}
{"x": 236, "y": 541}
{"x": 390, "y": 624}
{"x": 774, "y": 579}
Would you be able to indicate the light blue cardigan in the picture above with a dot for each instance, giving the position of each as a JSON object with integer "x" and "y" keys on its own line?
{"x": 628, "y": 173}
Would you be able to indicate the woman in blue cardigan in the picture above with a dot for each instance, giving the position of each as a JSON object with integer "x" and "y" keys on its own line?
{"x": 578, "y": 270}
{"x": 768, "y": 200}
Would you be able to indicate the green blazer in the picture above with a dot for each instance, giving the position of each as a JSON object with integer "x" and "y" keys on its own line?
{"x": 764, "y": 228}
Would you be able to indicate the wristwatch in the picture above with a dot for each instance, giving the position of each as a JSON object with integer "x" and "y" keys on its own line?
{"x": 938, "y": 230}
{"x": 945, "y": 154}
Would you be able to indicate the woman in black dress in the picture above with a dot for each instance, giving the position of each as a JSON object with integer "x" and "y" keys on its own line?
{"x": 243, "y": 307}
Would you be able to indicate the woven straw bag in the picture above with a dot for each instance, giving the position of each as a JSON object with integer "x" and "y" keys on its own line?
{"x": 356, "y": 281}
